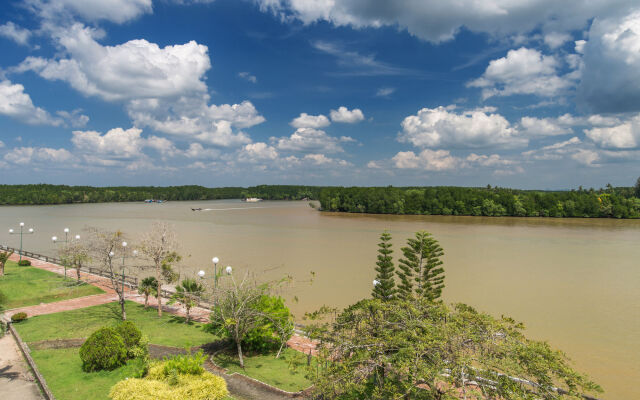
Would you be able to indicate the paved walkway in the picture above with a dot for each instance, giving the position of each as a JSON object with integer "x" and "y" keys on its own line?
{"x": 16, "y": 381}
{"x": 297, "y": 342}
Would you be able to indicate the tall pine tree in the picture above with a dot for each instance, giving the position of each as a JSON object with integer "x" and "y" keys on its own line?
{"x": 384, "y": 286}
{"x": 420, "y": 273}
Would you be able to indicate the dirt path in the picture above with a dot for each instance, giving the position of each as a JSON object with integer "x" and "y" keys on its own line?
{"x": 16, "y": 381}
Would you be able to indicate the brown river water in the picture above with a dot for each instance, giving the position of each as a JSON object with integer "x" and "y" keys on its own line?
{"x": 573, "y": 282}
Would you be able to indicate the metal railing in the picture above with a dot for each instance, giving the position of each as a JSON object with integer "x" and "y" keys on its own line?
{"x": 130, "y": 281}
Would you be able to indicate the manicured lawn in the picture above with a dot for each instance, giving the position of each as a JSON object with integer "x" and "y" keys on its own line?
{"x": 168, "y": 330}
{"x": 62, "y": 369}
{"x": 268, "y": 369}
{"x": 27, "y": 286}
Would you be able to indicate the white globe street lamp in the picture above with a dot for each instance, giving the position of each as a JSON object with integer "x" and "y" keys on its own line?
{"x": 228, "y": 270}
{"x": 201, "y": 274}
{"x": 21, "y": 233}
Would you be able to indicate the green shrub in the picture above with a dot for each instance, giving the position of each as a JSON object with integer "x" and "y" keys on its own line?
{"x": 265, "y": 338}
{"x": 185, "y": 364}
{"x": 24, "y": 263}
{"x": 129, "y": 333}
{"x": 104, "y": 350}
{"x": 17, "y": 317}
{"x": 159, "y": 386}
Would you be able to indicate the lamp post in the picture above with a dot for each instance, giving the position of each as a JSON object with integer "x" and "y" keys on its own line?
{"x": 124, "y": 252}
{"x": 55, "y": 240}
{"x": 22, "y": 232}
{"x": 215, "y": 261}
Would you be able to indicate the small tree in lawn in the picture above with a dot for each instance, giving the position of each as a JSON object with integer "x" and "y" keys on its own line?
{"x": 4, "y": 257}
{"x": 106, "y": 248}
{"x": 148, "y": 287}
{"x": 188, "y": 292}
{"x": 75, "y": 254}
{"x": 420, "y": 271}
{"x": 239, "y": 309}
{"x": 384, "y": 286}
{"x": 160, "y": 246}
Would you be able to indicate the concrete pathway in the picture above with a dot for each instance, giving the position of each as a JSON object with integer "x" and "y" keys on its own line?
{"x": 16, "y": 381}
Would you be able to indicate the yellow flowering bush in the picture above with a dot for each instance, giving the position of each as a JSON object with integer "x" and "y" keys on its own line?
{"x": 157, "y": 385}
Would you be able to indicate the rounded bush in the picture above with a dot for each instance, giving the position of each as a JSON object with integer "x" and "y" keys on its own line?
{"x": 129, "y": 333}
{"x": 157, "y": 386}
{"x": 104, "y": 350}
{"x": 24, "y": 263}
{"x": 17, "y": 317}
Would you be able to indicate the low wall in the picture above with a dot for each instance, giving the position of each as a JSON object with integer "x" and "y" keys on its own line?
{"x": 34, "y": 368}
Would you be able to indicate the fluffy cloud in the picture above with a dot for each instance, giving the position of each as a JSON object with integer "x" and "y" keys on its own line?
{"x": 556, "y": 39}
{"x": 492, "y": 160}
{"x": 442, "y": 127}
{"x": 15, "y": 103}
{"x": 196, "y": 150}
{"x": 436, "y": 21}
{"x": 193, "y": 117}
{"x": 117, "y": 142}
{"x": 15, "y": 33}
{"x": 310, "y": 121}
{"x": 74, "y": 118}
{"x": 522, "y": 71}
{"x": 309, "y": 140}
{"x": 254, "y": 152}
{"x": 611, "y": 72}
{"x": 28, "y": 155}
{"x": 429, "y": 160}
{"x": 342, "y": 114}
{"x": 117, "y": 11}
{"x": 162, "y": 145}
{"x": 623, "y": 136}
{"x": 533, "y": 127}
{"x": 132, "y": 70}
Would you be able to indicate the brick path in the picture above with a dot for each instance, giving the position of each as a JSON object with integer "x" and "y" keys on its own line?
{"x": 297, "y": 342}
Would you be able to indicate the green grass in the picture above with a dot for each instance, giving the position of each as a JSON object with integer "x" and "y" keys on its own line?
{"x": 62, "y": 369}
{"x": 168, "y": 330}
{"x": 266, "y": 368}
{"x": 27, "y": 286}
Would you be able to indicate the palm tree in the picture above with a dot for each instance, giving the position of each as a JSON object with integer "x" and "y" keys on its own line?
{"x": 4, "y": 256}
{"x": 188, "y": 293}
{"x": 148, "y": 287}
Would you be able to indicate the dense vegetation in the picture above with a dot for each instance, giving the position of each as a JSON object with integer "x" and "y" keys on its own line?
{"x": 610, "y": 202}
{"x": 62, "y": 194}
{"x": 621, "y": 202}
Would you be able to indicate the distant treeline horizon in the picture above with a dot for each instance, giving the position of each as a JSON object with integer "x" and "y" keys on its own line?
{"x": 609, "y": 202}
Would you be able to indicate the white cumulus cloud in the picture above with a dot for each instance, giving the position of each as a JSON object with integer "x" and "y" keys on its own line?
{"x": 343, "y": 114}
{"x": 429, "y": 160}
{"x": 443, "y": 127}
{"x": 309, "y": 140}
{"x": 117, "y": 11}
{"x": 135, "y": 69}
{"x": 623, "y": 136}
{"x": 310, "y": 121}
{"x": 522, "y": 71}
{"x": 15, "y": 103}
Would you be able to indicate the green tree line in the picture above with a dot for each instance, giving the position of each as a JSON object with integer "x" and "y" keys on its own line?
{"x": 618, "y": 202}
{"x": 62, "y": 194}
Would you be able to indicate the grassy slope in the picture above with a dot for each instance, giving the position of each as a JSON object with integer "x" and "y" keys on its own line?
{"x": 62, "y": 370}
{"x": 168, "y": 331}
{"x": 27, "y": 286}
{"x": 268, "y": 369}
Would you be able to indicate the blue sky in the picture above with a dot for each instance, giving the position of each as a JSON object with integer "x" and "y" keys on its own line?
{"x": 536, "y": 94}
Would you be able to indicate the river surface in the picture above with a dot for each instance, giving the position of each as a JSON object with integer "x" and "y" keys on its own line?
{"x": 573, "y": 282}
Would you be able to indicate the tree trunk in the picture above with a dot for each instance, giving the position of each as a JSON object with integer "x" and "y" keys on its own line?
{"x": 146, "y": 301}
{"x": 239, "y": 346}
{"x": 1, "y": 269}
{"x": 122, "y": 309}
{"x": 159, "y": 294}
{"x": 187, "y": 308}
{"x": 78, "y": 273}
